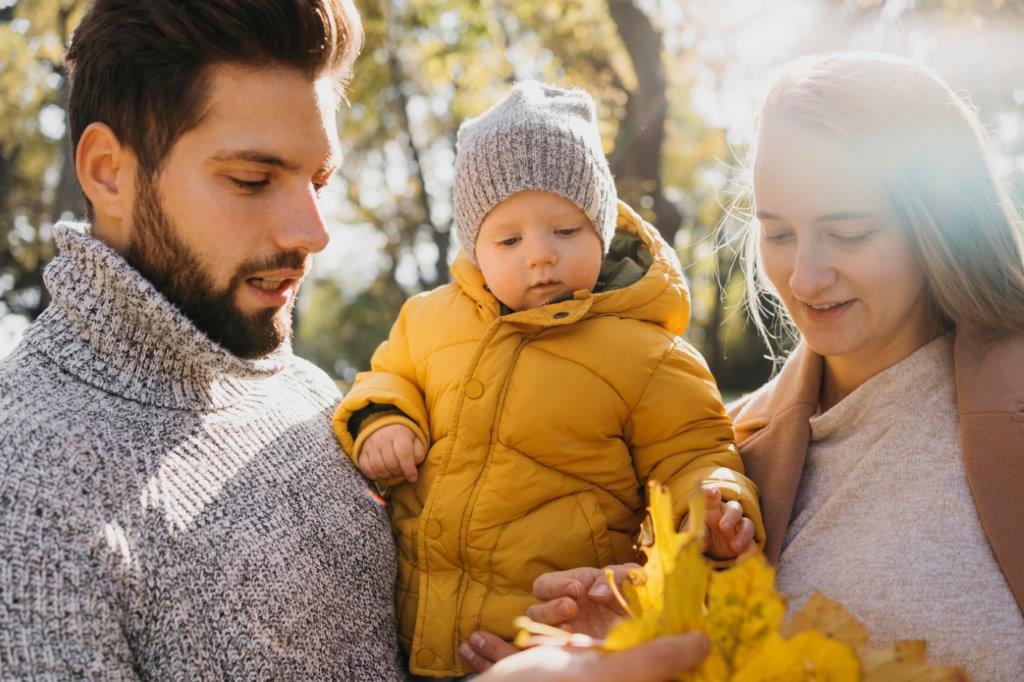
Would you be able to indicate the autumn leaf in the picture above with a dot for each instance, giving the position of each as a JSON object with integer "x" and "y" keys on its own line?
{"x": 742, "y": 613}
{"x": 668, "y": 596}
{"x": 807, "y": 656}
{"x": 743, "y": 609}
{"x": 903, "y": 660}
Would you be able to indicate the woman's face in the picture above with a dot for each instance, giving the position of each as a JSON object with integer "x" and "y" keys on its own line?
{"x": 833, "y": 249}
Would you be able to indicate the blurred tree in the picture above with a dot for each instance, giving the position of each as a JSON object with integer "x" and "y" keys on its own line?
{"x": 37, "y": 178}
{"x": 653, "y": 66}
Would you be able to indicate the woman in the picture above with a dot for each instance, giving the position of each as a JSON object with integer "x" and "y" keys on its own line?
{"x": 888, "y": 450}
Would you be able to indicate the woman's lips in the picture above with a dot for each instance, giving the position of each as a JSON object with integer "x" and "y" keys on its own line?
{"x": 820, "y": 314}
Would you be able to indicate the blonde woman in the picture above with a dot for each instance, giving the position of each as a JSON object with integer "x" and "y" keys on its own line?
{"x": 889, "y": 450}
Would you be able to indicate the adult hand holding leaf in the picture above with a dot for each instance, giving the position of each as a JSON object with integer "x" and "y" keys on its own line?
{"x": 740, "y": 611}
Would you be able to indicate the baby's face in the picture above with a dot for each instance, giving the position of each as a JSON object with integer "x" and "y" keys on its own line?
{"x": 536, "y": 246}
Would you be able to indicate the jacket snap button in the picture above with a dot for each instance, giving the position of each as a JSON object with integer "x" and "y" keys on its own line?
{"x": 425, "y": 657}
{"x": 561, "y": 314}
{"x": 433, "y": 529}
{"x": 474, "y": 389}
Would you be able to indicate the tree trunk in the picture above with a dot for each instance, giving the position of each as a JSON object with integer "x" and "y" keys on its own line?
{"x": 636, "y": 158}
{"x": 441, "y": 237}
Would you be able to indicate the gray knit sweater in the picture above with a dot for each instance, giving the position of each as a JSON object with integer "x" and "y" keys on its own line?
{"x": 170, "y": 511}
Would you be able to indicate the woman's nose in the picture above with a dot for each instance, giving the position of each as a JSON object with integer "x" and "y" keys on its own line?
{"x": 813, "y": 273}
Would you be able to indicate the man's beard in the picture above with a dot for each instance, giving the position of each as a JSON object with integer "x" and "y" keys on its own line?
{"x": 166, "y": 261}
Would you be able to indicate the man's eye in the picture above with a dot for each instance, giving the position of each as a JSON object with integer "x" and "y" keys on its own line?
{"x": 249, "y": 185}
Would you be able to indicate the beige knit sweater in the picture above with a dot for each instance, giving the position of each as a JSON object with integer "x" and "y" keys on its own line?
{"x": 884, "y": 522}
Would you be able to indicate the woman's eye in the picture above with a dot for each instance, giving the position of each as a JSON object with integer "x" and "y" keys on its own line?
{"x": 777, "y": 237}
{"x": 853, "y": 238}
{"x": 249, "y": 185}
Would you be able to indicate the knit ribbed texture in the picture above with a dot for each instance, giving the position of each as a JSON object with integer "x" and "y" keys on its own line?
{"x": 538, "y": 137}
{"x": 170, "y": 511}
{"x": 885, "y": 523}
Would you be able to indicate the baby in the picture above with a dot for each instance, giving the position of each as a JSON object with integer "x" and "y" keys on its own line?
{"x": 517, "y": 413}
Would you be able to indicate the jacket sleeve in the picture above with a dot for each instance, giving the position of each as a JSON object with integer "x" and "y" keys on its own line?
{"x": 387, "y": 394}
{"x": 682, "y": 437}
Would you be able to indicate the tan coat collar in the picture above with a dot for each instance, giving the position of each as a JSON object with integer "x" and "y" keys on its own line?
{"x": 773, "y": 433}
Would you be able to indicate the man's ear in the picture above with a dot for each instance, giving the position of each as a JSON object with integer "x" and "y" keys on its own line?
{"x": 107, "y": 172}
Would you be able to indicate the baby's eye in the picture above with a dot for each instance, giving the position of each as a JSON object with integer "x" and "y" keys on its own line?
{"x": 567, "y": 231}
{"x": 511, "y": 241}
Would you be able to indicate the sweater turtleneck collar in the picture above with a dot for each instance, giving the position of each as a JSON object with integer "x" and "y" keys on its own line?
{"x": 110, "y": 327}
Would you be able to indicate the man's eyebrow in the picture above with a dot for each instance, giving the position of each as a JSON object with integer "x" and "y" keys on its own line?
{"x": 844, "y": 215}
{"x": 255, "y": 156}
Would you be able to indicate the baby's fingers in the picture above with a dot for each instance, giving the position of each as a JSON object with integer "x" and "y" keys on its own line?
{"x": 712, "y": 496}
{"x": 731, "y": 516}
{"x": 406, "y": 460}
{"x": 419, "y": 451}
{"x": 389, "y": 462}
{"x": 744, "y": 536}
{"x": 369, "y": 461}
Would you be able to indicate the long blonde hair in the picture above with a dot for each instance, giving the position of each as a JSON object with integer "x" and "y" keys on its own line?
{"x": 926, "y": 145}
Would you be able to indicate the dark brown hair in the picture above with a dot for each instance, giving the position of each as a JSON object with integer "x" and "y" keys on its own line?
{"x": 140, "y": 65}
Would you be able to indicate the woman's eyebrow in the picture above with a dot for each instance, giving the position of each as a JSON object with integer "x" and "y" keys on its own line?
{"x": 844, "y": 215}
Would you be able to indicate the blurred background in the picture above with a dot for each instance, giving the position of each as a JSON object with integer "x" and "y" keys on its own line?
{"x": 677, "y": 82}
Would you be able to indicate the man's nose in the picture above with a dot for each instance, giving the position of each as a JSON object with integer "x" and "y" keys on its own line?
{"x": 813, "y": 272}
{"x": 303, "y": 227}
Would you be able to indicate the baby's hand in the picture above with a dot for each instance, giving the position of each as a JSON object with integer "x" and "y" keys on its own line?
{"x": 730, "y": 533}
{"x": 391, "y": 451}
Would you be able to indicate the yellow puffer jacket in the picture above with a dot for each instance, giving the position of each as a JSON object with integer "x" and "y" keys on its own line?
{"x": 541, "y": 427}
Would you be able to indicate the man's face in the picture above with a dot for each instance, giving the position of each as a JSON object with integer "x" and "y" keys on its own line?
{"x": 226, "y": 228}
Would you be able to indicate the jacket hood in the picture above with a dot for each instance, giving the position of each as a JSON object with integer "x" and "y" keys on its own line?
{"x": 659, "y": 296}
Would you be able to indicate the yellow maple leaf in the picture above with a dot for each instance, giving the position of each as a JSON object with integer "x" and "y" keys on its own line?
{"x": 743, "y": 609}
{"x": 901, "y": 661}
{"x": 742, "y": 613}
{"x": 667, "y": 597}
{"x": 806, "y": 656}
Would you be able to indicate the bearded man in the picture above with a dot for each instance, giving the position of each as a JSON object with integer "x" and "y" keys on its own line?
{"x": 173, "y": 502}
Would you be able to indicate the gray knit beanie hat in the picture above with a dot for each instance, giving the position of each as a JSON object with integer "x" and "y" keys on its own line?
{"x": 538, "y": 137}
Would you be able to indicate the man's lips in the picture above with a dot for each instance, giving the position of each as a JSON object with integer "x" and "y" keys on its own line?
{"x": 274, "y": 288}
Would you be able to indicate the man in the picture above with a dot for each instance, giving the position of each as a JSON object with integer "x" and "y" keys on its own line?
{"x": 173, "y": 503}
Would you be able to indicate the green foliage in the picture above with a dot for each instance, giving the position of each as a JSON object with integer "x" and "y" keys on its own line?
{"x": 429, "y": 64}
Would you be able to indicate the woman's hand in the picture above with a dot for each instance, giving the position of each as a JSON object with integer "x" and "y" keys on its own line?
{"x": 657, "y": 660}
{"x": 578, "y": 600}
